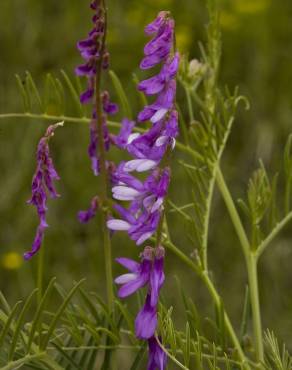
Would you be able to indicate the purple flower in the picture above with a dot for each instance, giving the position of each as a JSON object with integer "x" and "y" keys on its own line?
{"x": 43, "y": 184}
{"x": 85, "y": 216}
{"x": 155, "y": 84}
{"x": 139, "y": 225}
{"x": 157, "y": 357}
{"x": 125, "y": 135}
{"x": 146, "y": 320}
{"x": 156, "y": 111}
{"x": 157, "y": 275}
{"x": 108, "y": 106}
{"x": 139, "y": 274}
{"x": 148, "y": 272}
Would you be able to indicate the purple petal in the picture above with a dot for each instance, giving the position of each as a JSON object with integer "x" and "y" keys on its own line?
{"x": 157, "y": 357}
{"x": 146, "y": 321}
{"x": 156, "y": 24}
{"x": 131, "y": 265}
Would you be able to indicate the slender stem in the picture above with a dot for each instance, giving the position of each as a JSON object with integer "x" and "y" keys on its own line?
{"x": 273, "y": 234}
{"x": 40, "y": 273}
{"x": 251, "y": 263}
{"x": 233, "y": 212}
{"x": 212, "y": 290}
{"x": 255, "y": 305}
{"x": 103, "y": 174}
{"x": 215, "y": 296}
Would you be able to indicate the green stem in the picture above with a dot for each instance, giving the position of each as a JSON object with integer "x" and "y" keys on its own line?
{"x": 251, "y": 264}
{"x": 261, "y": 248}
{"x": 40, "y": 273}
{"x": 212, "y": 290}
{"x": 215, "y": 296}
{"x": 255, "y": 305}
{"x": 233, "y": 212}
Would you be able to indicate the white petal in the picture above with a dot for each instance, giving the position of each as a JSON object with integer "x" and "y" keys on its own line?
{"x": 131, "y": 165}
{"x": 173, "y": 142}
{"x": 144, "y": 237}
{"x": 161, "y": 140}
{"x": 125, "y": 193}
{"x": 139, "y": 165}
{"x": 132, "y": 137}
{"x": 125, "y": 278}
{"x": 116, "y": 224}
{"x": 157, "y": 204}
{"x": 158, "y": 115}
{"x": 148, "y": 201}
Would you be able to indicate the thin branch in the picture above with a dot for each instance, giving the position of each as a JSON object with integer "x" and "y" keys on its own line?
{"x": 273, "y": 234}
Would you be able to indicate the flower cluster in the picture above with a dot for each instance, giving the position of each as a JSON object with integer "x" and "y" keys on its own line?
{"x": 96, "y": 57}
{"x": 43, "y": 184}
{"x": 150, "y": 151}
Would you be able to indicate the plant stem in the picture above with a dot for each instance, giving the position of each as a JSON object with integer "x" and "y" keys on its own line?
{"x": 103, "y": 175}
{"x": 273, "y": 234}
{"x": 40, "y": 273}
{"x": 215, "y": 296}
{"x": 255, "y": 305}
{"x": 233, "y": 212}
{"x": 212, "y": 290}
{"x": 251, "y": 264}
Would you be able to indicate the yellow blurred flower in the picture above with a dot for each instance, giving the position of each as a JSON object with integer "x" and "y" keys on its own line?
{"x": 11, "y": 261}
{"x": 228, "y": 21}
{"x": 251, "y": 6}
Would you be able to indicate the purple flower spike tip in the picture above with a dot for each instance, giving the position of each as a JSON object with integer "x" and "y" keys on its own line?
{"x": 157, "y": 357}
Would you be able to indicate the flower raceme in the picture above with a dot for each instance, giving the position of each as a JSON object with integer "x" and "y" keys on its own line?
{"x": 42, "y": 185}
{"x": 150, "y": 152}
{"x": 93, "y": 51}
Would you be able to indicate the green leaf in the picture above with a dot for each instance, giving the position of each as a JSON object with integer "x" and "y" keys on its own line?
{"x": 121, "y": 94}
{"x": 139, "y": 358}
{"x": 8, "y": 321}
{"x": 24, "y": 94}
{"x": 40, "y": 309}
{"x": 59, "y": 313}
{"x": 74, "y": 94}
{"x": 33, "y": 91}
{"x": 19, "y": 324}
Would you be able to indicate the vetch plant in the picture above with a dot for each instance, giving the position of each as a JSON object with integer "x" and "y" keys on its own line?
{"x": 133, "y": 196}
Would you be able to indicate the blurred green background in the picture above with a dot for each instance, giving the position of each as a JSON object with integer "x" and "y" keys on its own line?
{"x": 40, "y": 36}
